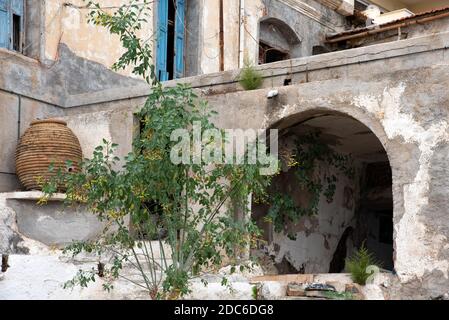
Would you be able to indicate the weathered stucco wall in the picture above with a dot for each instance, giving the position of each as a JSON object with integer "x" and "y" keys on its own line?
{"x": 398, "y": 90}
{"x": 311, "y": 26}
{"x": 308, "y": 18}
{"x": 66, "y": 22}
{"x": 415, "y": 6}
{"x": 393, "y": 100}
{"x": 316, "y": 237}
{"x": 415, "y": 138}
{"x": 408, "y": 31}
{"x": 30, "y": 90}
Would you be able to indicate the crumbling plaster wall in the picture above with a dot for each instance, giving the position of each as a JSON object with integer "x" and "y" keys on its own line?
{"x": 30, "y": 90}
{"x": 66, "y": 22}
{"x": 310, "y": 20}
{"x": 414, "y": 141}
{"x": 406, "y": 32}
{"x": 393, "y": 100}
{"x": 115, "y": 126}
{"x": 402, "y": 99}
{"x": 237, "y": 30}
{"x": 316, "y": 237}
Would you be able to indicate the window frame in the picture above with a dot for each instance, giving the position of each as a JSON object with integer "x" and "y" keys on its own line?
{"x": 13, "y": 8}
{"x": 177, "y": 41}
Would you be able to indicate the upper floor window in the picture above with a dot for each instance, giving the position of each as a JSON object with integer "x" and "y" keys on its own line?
{"x": 277, "y": 41}
{"x": 170, "y": 39}
{"x": 11, "y": 24}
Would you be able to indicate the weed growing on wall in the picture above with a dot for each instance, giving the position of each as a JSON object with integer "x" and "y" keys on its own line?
{"x": 250, "y": 78}
{"x": 362, "y": 265}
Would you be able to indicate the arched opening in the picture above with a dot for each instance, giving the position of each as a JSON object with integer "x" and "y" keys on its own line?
{"x": 333, "y": 194}
{"x": 277, "y": 41}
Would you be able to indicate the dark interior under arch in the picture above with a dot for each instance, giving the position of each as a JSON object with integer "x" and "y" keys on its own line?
{"x": 361, "y": 211}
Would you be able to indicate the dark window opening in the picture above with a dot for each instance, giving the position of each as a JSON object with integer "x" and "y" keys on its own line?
{"x": 150, "y": 227}
{"x": 386, "y": 227}
{"x": 268, "y": 54}
{"x": 287, "y": 82}
{"x": 360, "y": 6}
{"x": 319, "y": 50}
{"x": 171, "y": 39}
{"x": 16, "y": 32}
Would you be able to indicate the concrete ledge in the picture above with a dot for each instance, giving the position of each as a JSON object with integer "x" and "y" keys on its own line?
{"x": 32, "y": 195}
{"x": 54, "y": 223}
{"x": 304, "y": 278}
{"x": 275, "y": 73}
{"x": 23, "y": 67}
{"x": 346, "y": 8}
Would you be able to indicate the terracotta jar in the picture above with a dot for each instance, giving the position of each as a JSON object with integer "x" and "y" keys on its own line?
{"x": 44, "y": 143}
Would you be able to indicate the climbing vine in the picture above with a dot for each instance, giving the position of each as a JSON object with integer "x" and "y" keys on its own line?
{"x": 312, "y": 162}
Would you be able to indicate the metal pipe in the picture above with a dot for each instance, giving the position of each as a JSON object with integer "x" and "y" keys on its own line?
{"x": 19, "y": 115}
{"x": 221, "y": 36}
{"x": 242, "y": 34}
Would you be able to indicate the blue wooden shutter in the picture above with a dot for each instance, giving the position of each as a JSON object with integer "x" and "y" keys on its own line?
{"x": 161, "y": 53}
{"x": 5, "y": 24}
{"x": 17, "y": 9}
{"x": 179, "y": 39}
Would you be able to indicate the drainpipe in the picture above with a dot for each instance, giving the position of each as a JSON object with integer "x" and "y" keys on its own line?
{"x": 242, "y": 34}
{"x": 221, "y": 37}
{"x": 19, "y": 116}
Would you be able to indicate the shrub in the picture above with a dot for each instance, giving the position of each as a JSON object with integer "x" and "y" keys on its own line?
{"x": 358, "y": 265}
{"x": 192, "y": 198}
{"x": 250, "y": 78}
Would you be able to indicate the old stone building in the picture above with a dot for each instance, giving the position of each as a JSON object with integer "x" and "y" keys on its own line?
{"x": 370, "y": 76}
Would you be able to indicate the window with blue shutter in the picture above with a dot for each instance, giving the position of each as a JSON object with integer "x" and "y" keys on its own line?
{"x": 179, "y": 38}
{"x": 170, "y": 39}
{"x": 5, "y": 29}
{"x": 17, "y": 24}
{"x": 11, "y": 24}
{"x": 161, "y": 53}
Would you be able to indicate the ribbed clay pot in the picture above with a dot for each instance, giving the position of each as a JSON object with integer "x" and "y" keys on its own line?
{"x": 44, "y": 143}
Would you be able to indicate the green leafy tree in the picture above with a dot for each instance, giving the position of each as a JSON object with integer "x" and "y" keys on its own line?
{"x": 195, "y": 201}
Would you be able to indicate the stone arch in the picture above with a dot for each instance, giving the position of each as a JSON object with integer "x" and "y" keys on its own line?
{"x": 293, "y": 117}
{"x": 308, "y": 112}
{"x": 277, "y": 40}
